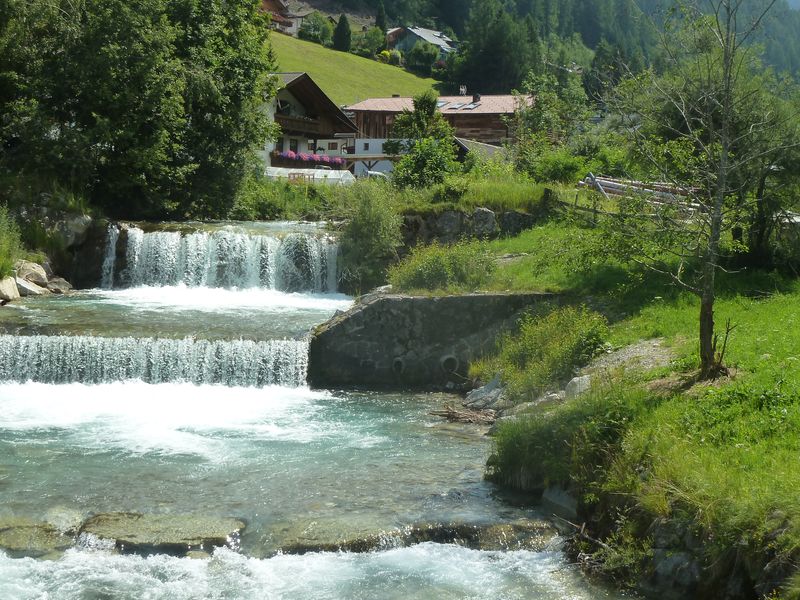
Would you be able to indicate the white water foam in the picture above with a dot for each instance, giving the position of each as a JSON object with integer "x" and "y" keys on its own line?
{"x": 213, "y": 299}
{"x": 173, "y": 418}
{"x": 423, "y": 571}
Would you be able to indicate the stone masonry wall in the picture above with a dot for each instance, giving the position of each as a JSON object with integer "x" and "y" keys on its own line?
{"x": 397, "y": 341}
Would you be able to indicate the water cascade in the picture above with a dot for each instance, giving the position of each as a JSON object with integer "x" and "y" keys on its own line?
{"x": 173, "y": 395}
{"x": 224, "y": 258}
{"x": 92, "y": 360}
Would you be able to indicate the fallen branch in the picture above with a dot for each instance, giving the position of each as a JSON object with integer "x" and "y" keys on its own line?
{"x": 465, "y": 415}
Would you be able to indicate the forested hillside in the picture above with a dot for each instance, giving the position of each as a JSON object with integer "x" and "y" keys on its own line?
{"x": 627, "y": 24}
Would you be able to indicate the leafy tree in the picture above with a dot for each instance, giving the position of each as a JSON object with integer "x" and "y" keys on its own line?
{"x": 157, "y": 111}
{"x": 371, "y": 43}
{"x": 427, "y": 163}
{"x": 226, "y": 59}
{"x": 425, "y": 121}
{"x": 316, "y": 28}
{"x": 426, "y": 138}
{"x": 697, "y": 129}
{"x": 421, "y": 57}
{"x": 342, "y": 36}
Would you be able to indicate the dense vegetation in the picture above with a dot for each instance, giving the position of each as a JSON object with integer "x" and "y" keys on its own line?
{"x": 155, "y": 113}
{"x": 630, "y": 27}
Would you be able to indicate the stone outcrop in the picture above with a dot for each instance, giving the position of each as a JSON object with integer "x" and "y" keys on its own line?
{"x": 59, "y": 285}
{"x": 453, "y": 225}
{"x": 163, "y": 534}
{"x": 31, "y": 272}
{"x": 8, "y": 289}
{"x": 87, "y": 265}
{"x": 397, "y": 341}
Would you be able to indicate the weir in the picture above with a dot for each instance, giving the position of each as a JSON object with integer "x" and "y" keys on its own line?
{"x": 92, "y": 360}
{"x": 291, "y": 262}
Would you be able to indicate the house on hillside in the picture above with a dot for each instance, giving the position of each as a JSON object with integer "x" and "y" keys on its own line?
{"x": 313, "y": 128}
{"x": 404, "y": 38}
{"x": 480, "y": 118}
{"x": 283, "y": 19}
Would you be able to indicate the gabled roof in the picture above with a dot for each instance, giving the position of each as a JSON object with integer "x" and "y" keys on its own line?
{"x": 448, "y": 105}
{"x": 308, "y": 92}
{"x": 437, "y": 38}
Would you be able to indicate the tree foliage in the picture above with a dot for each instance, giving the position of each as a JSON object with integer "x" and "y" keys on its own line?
{"x": 156, "y": 112}
{"x": 316, "y": 28}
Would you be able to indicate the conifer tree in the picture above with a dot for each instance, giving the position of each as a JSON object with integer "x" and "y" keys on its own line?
{"x": 342, "y": 36}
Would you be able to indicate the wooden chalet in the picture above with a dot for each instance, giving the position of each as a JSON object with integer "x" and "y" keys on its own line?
{"x": 479, "y": 118}
{"x": 310, "y": 123}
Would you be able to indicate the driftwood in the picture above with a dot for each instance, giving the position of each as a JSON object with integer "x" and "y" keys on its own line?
{"x": 465, "y": 415}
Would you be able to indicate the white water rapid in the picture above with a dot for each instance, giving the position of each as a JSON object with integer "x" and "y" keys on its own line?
{"x": 177, "y": 392}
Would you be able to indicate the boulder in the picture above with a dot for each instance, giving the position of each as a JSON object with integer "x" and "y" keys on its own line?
{"x": 73, "y": 230}
{"x": 514, "y": 222}
{"x": 59, "y": 285}
{"x": 484, "y": 223}
{"x": 560, "y": 502}
{"x": 450, "y": 226}
{"x": 30, "y": 271}
{"x": 577, "y": 386}
{"x": 26, "y": 288}
{"x": 8, "y": 289}
{"x": 485, "y": 396}
{"x": 164, "y": 534}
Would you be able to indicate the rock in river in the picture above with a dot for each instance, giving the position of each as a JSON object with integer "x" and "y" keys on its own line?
{"x": 21, "y": 537}
{"x": 136, "y": 533}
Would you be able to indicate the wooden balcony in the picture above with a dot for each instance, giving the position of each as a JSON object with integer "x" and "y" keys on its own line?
{"x": 300, "y": 125}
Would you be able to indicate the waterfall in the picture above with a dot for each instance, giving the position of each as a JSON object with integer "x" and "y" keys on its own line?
{"x": 293, "y": 262}
{"x": 107, "y": 281}
{"x": 85, "y": 359}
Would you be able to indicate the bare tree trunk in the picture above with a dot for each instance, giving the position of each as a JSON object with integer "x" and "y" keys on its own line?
{"x": 707, "y": 359}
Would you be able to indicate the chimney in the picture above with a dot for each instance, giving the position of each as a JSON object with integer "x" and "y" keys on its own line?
{"x": 476, "y": 98}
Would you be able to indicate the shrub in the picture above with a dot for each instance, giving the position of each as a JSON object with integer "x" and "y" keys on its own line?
{"x": 395, "y": 58}
{"x": 546, "y": 350}
{"x": 572, "y": 442}
{"x": 370, "y": 238}
{"x": 427, "y": 163}
{"x": 452, "y": 190}
{"x": 10, "y": 242}
{"x": 464, "y": 266}
{"x": 557, "y": 164}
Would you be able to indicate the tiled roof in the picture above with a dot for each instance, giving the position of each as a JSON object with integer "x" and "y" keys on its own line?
{"x": 504, "y": 104}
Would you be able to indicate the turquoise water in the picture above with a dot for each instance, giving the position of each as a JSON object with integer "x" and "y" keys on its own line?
{"x": 296, "y": 465}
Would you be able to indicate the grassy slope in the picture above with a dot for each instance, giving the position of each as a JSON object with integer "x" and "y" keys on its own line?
{"x": 346, "y": 78}
{"x": 720, "y": 457}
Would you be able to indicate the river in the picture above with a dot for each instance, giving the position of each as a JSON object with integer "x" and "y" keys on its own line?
{"x": 178, "y": 387}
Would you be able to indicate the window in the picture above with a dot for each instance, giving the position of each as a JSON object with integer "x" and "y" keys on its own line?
{"x": 366, "y": 146}
{"x": 333, "y": 145}
{"x": 279, "y": 144}
{"x": 293, "y": 144}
